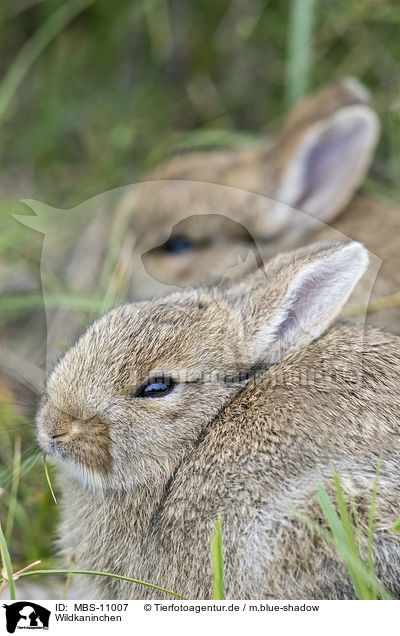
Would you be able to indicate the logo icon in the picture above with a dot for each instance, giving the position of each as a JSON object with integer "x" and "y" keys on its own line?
{"x": 26, "y": 615}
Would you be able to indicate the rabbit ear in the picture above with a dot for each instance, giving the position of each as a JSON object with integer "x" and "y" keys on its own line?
{"x": 300, "y": 296}
{"x": 323, "y": 103}
{"x": 326, "y": 162}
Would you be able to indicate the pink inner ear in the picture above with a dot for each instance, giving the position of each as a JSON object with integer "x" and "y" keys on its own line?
{"x": 331, "y": 167}
{"x": 330, "y": 163}
{"x": 314, "y": 298}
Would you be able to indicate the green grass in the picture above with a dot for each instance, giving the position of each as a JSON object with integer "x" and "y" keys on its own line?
{"x": 6, "y": 564}
{"x": 109, "y": 93}
{"x": 105, "y": 574}
{"x": 345, "y": 536}
{"x": 10, "y": 576}
{"x": 302, "y": 15}
{"x": 93, "y": 94}
{"x": 27, "y": 512}
{"x": 342, "y": 537}
{"x": 217, "y": 557}
{"x": 55, "y": 24}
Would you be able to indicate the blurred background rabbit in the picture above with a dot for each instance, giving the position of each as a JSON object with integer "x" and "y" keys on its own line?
{"x": 95, "y": 96}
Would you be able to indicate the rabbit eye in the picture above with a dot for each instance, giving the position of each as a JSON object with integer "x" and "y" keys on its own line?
{"x": 178, "y": 245}
{"x": 157, "y": 387}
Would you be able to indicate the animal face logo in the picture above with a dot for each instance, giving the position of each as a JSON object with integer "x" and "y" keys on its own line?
{"x": 26, "y": 615}
{"x": 145, "y": 240}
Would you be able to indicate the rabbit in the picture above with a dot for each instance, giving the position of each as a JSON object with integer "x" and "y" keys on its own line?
{"x": 235, "y": 401}
{"x": 191, "y": 230}
{"x": 210, "y": 218}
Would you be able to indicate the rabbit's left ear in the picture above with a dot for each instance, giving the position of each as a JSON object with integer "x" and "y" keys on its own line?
{"x": 326, "y": 163}
{"x": 297, "y": 297}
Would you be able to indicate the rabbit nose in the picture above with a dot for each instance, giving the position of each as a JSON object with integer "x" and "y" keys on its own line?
{"x": 68, "y": 430}
{"x": 58, "y": 435}
{"x": 58, "y": 424}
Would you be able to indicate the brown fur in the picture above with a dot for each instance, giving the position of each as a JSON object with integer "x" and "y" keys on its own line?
{"x": 252, "y": 448}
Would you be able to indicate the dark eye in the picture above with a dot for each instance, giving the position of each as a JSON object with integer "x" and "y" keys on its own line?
{"x": 157, "y": 387}
{"x": 178, "y": 245}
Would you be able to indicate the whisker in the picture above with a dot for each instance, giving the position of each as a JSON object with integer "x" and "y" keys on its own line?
{"x": 5, "y": 448}
{"x": 29, "y": 459}
{"x": 18, "y": 401}
{"x": 12, "y": 374}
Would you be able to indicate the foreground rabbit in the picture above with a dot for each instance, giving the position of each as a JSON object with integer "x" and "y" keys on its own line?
{"x": 237, "y": 402}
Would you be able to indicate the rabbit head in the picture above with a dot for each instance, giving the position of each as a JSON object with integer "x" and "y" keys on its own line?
{"x": 198, "y": 215}
{"x": 124, "y": 405}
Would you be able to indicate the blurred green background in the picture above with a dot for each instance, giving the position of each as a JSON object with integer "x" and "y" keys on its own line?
{"x": 94, "y": 93}
{"x": 123, "y": 83}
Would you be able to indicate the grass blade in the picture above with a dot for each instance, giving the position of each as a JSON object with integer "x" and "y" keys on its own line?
{"x": 347, "y": 557}
{"x": 299, "y": 49}
{"x": 6, "y": 561}
{"x": 217, "y": 556}
{"x": 14, "y": 488}
{"x": 46, "y": 472}
{"x": 30, "y": 302}
{"x": 34, "y": 47}
{"x": 352, "y": 547}
{"x": 340, "y": 539}
{"x": 108, "y": 574}
{"x": 343, "y": 538}
{"x": 396, "y": 526}
{"x": 371, "y": 519}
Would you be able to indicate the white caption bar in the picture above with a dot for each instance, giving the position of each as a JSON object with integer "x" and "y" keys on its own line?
{"x": 172, "y": 618}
